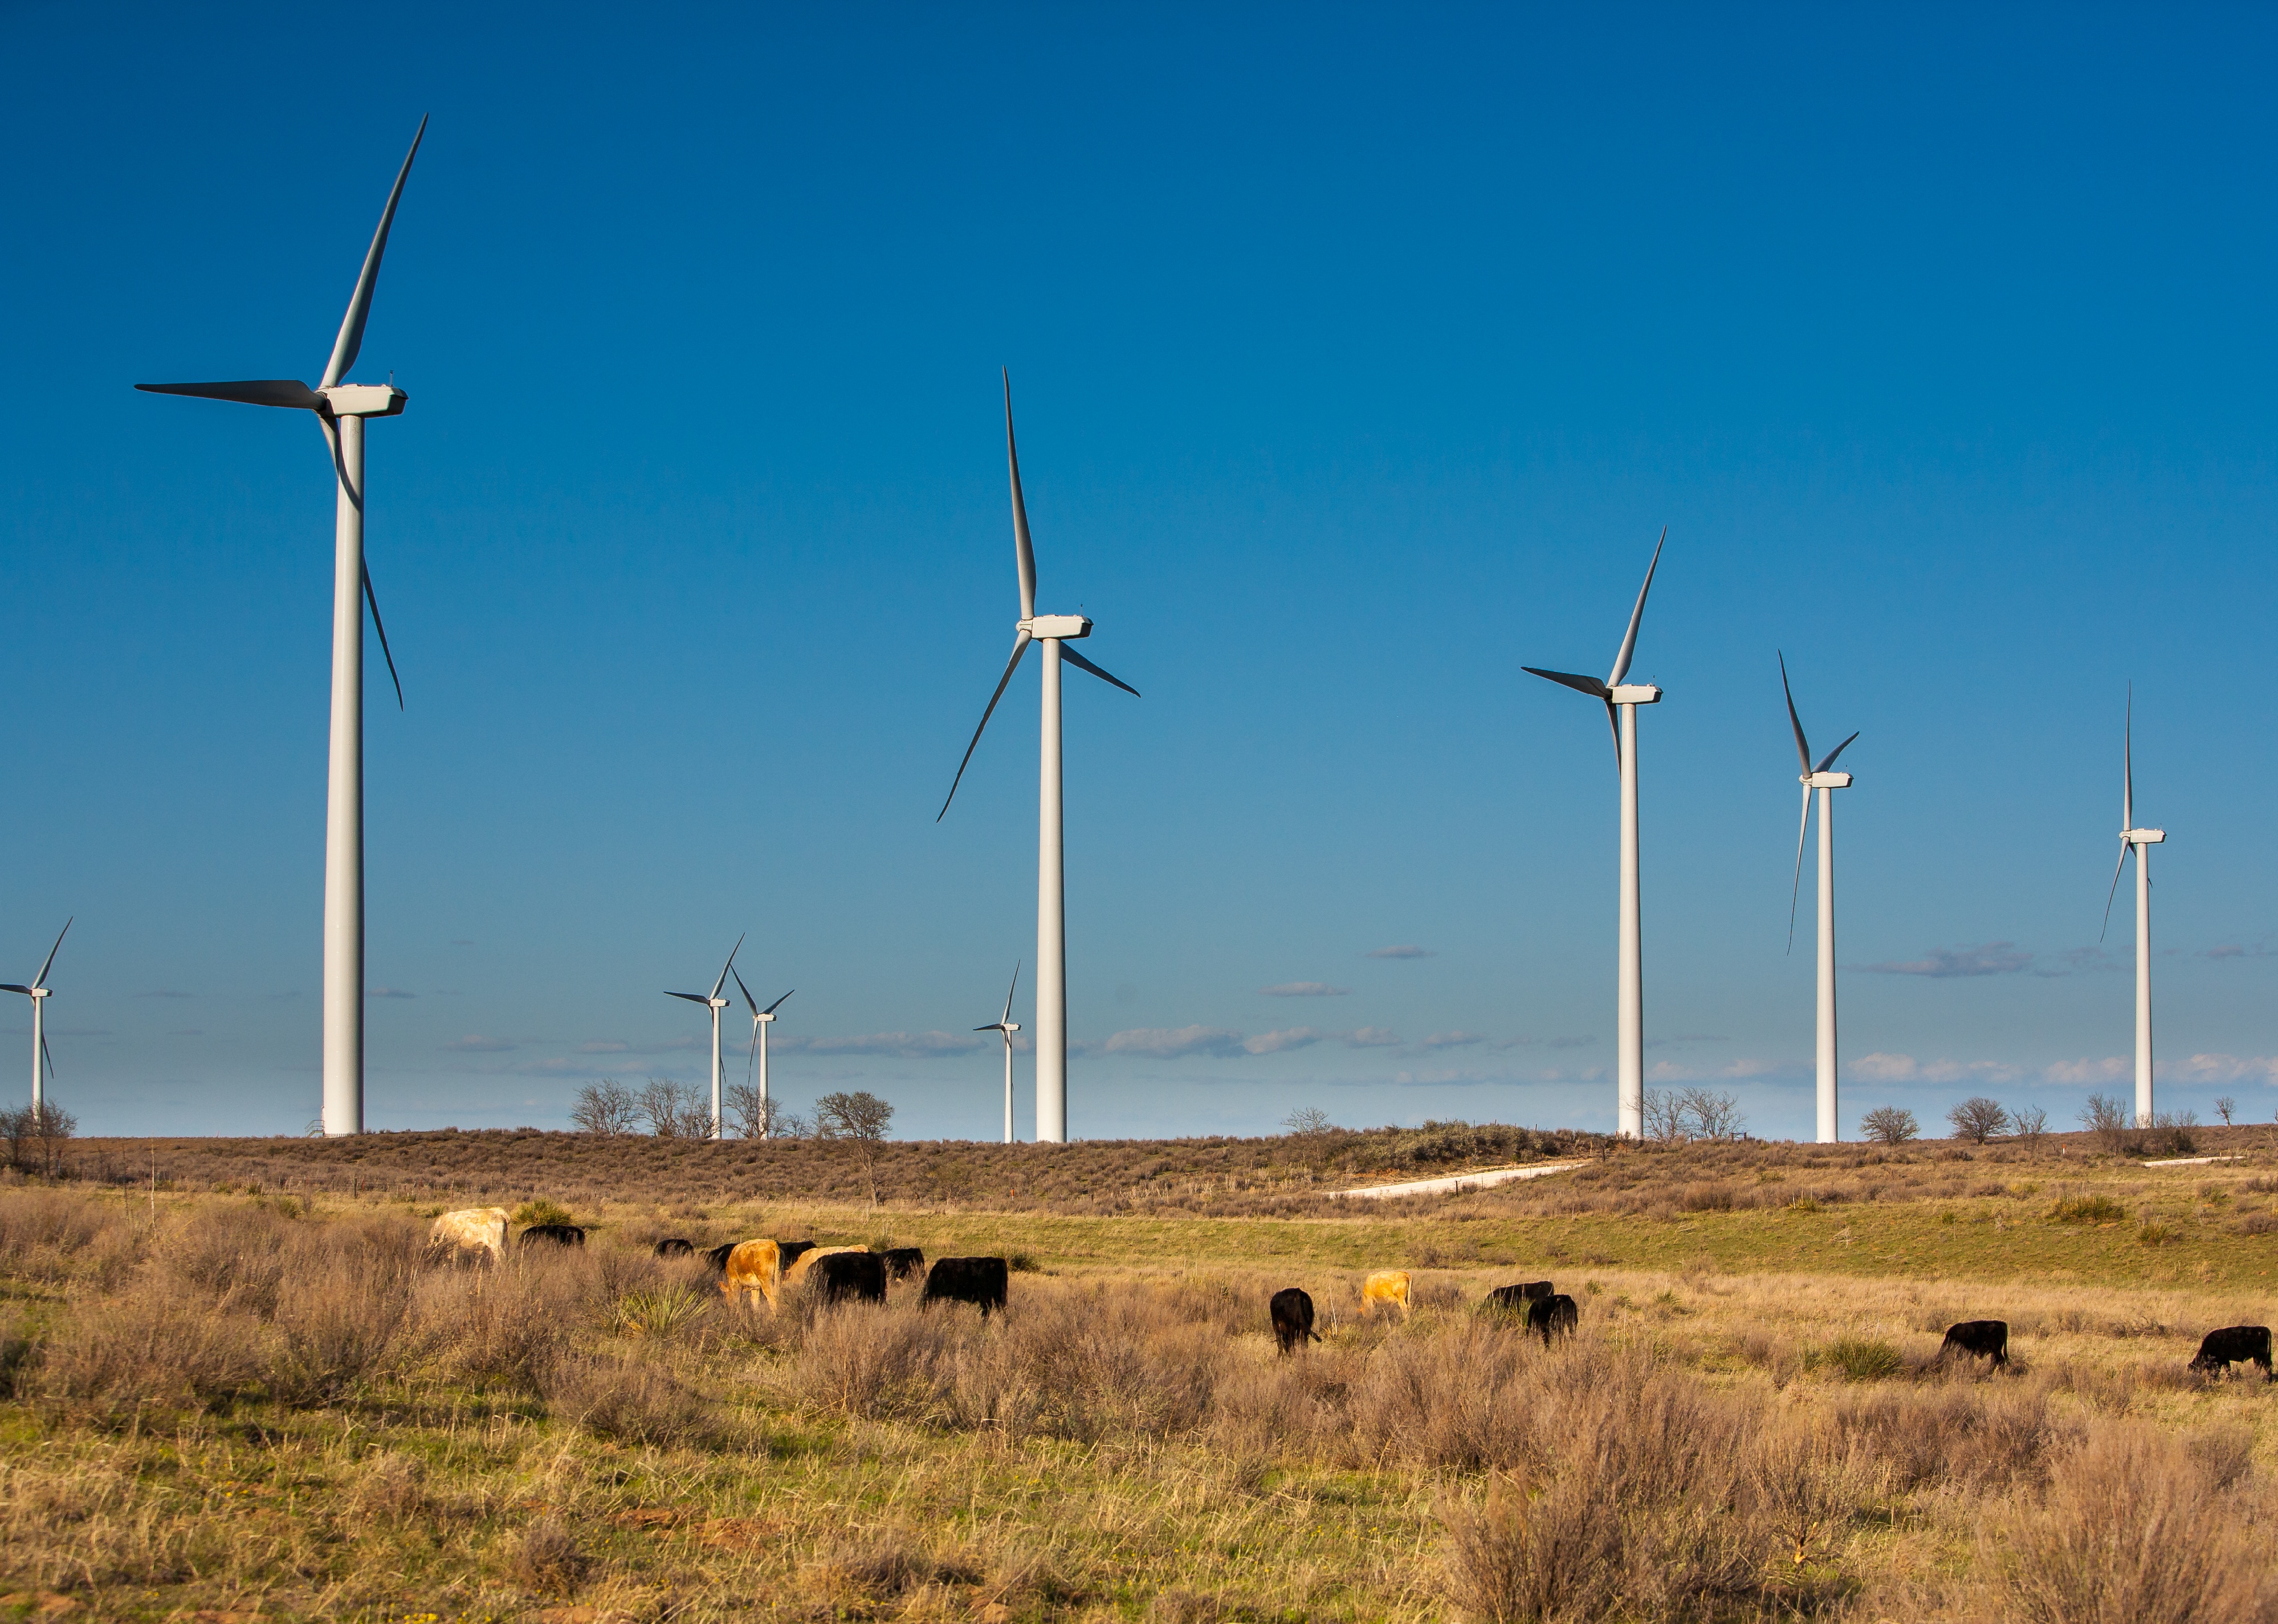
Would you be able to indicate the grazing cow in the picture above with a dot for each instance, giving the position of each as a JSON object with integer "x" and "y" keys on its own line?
{"x": 980, "y": 1281}
{"x": 717, "y": 1256}
{"x": 1978, "y": 1338}
{"x": 1387, "y": 1287}
{"x": 855, "y": 1273}
{"x": 1293, "y": 1318}
{"x": 902, "y": 1261}
{"x": 2234, "y": 1345}
{"x": 472, "y": 1228}
{"x": 1552, "y": 1316}
{"x": 792, "y": 1250}
{"x": 752, "y": 1269}
{"x": 808, "y": 1256}
{"x": 675, "y": 1246}
{"x": 1515, "y": 1299}
{"x": 558, "y": 1234}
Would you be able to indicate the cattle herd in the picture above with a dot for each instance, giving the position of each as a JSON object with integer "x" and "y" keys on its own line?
{"x": 757, "y": 1271}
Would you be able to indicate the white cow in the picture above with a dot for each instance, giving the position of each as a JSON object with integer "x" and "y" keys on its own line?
{"x": 471, "y": 1229}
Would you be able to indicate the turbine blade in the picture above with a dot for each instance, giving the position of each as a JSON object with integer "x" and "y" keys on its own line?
{"x": 1009, "y": 991}
{"x": 1081, "y": 664}
{"x": 2113, "y": 892}
{"x": 41, "y": 979}
{"x": 1024, "y": 553}
{"x": 1629, "y": 638}
{"x": 692, "y": 997}
{"x": 750, "y": 1003}
{"x": 2128, "y": 764}
{"x": 779, "y": 1002}
{"x": 1795, "y": 892}
{"x": 1019, "y": 647}
{"x": 1828, "y": 759}
{"x": 1802, "y": 750}
{"x": 1614, "y": 721}
{"x": 14, "y": 987}
{"x": 248, "y": 392}
{"x": 50, "y": 1055}
{"x": 725, "y": 968}
{"x": 1589, "y": 685}
{"x": 351, "y": 338}
{"x": 992, "y": 1026}
{"x": 380, "y": 627}
{"x": 752, "y": 1060}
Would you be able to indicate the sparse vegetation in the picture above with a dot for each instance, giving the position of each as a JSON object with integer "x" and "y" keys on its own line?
{"x": 1889, "y": 1125}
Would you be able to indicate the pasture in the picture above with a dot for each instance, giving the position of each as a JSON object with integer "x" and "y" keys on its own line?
{"x": 265, "y": 1400}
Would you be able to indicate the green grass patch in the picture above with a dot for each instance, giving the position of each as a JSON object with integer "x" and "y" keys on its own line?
{"x": 541, "y": 1211}
{"x": 2087, "y": 1210}
{"x": 1864, "y": 1359}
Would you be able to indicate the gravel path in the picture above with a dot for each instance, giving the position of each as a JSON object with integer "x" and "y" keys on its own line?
{"x": 1460, "y": 1181}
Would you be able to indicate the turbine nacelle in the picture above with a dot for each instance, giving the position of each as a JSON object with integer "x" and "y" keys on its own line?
{"x": 364, "y": 399}
{"x": 1633, "y": 693}
{"x": 1061, "y": 626}
{"x": 1826, "y": 780}
{"x": 2144, "y": 837}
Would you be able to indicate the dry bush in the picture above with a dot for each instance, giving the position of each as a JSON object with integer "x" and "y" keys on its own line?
{"x": 545, "y": 1557}
{"x": 116, "y": 1358}
{"x": 1551, "y": 1555}
{"x": 391, "y": 1488}
{"x": 1957, "y": 1432}
{"x": 2135, "y": 1528}
{"x": 52, "y": 1235}
{"x": 632, "y": 1399}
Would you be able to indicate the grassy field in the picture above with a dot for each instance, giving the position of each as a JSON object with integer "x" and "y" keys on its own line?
{"x": 266, "y": 1402}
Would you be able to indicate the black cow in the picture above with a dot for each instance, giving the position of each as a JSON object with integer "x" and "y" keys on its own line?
{"x": 1293, "y": 1318}
{"x": 1552, "y": 1316}
{"x": 1515, "y": 1299}
{"x": 2234, "y": 1345}
{"x": 717, "y": 1256}
{"x": 1978, "y": 1338}
{"x": 676, "y": 1247}
{"x": 902, "y": 1261}
{"x": 858, "y": 1275}
{"x": 557, "y": 1234}
{"x": 980, "y": 1281}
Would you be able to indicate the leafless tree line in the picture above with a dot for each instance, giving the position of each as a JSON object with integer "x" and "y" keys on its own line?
{"x": 1679, "y": 1117}
{"x": 671, "y": 1110}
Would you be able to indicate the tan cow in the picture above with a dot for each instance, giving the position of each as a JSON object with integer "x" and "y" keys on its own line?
{"x": 1387, "y": 1287}
{"x": 471, "y": 1229}
{"x": 801, "y": 1265}
{"x": 753, "y": 1270}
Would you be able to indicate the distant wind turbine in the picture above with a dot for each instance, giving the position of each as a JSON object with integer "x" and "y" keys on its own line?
{"x": 341, "y": 409}
{"x": 1621, "y": 701}
{"x": 1054, "y": 631}
{"x": 715, "y": 1004}
{"x": 1006, "y": 1025}
{"x": 2141, "y": 840}
{"x": 1817, "y": 777}
{"x": 38, "y": 991}
{"x": 761, "y": 1019}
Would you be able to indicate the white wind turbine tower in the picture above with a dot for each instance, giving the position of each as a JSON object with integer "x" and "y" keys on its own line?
{"x": 1006, "y": 1025}
{"x": 761, "y": 1019}
{"x": 1054, "y": 631}
{"x": 38, "y": 991}
{"x": 2141, "y": 840}
{"x": 341, "y": 409}
{"x": 1817, "y": 777}
{"x": 715, "y": 1004}
{"x": 1621, "y": 702}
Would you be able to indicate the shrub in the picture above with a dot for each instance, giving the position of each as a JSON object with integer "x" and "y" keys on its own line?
{"x": 631, "y": 1399}
{"x": 2105, "y": 1118}
{"x": 547, "y": 1557}
{"x": 1978, "y": 1119}
{"x": 662, "y": 1312}
{"x": 1864, "y": 1359}
{"x": 539, "y": 1210}
{"x": 2155, "y": 1234}
{"x": 1889, "y": 1124}
{"x": 2087, "y": 1210}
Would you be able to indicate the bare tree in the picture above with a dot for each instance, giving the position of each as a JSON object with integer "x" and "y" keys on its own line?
{"x": 2030, "y": 1123}
{"x": 606, "y": 1106}
{"x": 1978, "y": 1119}
{"x": 753, "y": 1117}
{"x": 1711, "y": 1114}
{"x": 2105, "y": 1118}
{"x": 1889, "y": 1125}
{"x": 2226, "y": 1108}
{"x": 1308, "y": 1119}
{"x": 676, "y": 1110}
{"x": 36, "y": 1134}
{"x": 1665, "y": 1120}
{"x": 861, "y": 1117}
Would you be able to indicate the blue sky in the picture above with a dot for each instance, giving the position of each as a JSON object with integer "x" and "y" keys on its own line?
{"x": 1359, "y": 359}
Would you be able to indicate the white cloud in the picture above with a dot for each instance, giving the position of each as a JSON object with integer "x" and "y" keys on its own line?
{"x": 1372, "y": 1037}
{"x": 1170, "y": 1043}
{"x": 2111, "y": 1068}
{"x": 1885, "y": 1068}
{"x": 2227, "y": 1068}
{"x": 1304, "y": 989}
{"x": 901, "y": 1044}
{"x": 474, "y": 1043}
{"x": 1879, "y": 1068}
{"x": 1274, "y": 1042}
{"x": 1453, "y": 1040}
{"x": 603, "y": 1046}
{"x": 1941, "y": 963}
{"x": 1406, "y": 950}
{"x": 1679, "y": 1071}
{"x": 389, "y": 992}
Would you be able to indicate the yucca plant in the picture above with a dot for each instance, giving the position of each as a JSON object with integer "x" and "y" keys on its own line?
{"x": 660, "y": 1312}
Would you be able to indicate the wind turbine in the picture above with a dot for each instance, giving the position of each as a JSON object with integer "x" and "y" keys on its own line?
{"x": 761, "y": 1019}
{"x": 2141, "y": 840}
{"x": 1621, "y": 701}
{"x": 1054, "y": 631}
{"x": 1006, "y": 1025}
{"x": 715, "y": 1004}
{"x": 38, "y": 991}
{"x": 341, "y": 409}
{"x": 1817, "y": 777}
